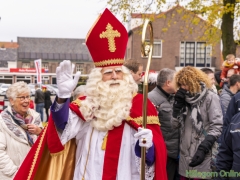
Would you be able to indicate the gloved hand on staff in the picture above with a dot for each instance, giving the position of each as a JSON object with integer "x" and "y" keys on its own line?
{"x": 145, "y": 137}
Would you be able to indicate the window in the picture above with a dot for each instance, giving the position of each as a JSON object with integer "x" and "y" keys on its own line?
{"x": 196, "y": 54}
{"x": 79, "y": 67}
{"x": 26, "y": 65}
{"x": 45, "y": 66}
{"x": 157, "y": 48}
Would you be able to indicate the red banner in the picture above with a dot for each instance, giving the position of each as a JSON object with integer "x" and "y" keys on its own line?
{"x": 38, "y": 66}
{"x": 25, "y": 70}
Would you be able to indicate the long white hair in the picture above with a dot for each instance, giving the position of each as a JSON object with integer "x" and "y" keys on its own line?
{"x": 106, "y": 107}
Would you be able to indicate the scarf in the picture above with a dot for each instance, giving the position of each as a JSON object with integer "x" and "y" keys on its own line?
{"x": 195, "y": 102}
{"x": 225, "y": 64}
{"x": 20, "y": 121}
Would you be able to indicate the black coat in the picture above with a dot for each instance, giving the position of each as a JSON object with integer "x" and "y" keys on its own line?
{"x": 232, "y": 109}
{"x": 228, "y": 158}
{"x": 47, "y": 100}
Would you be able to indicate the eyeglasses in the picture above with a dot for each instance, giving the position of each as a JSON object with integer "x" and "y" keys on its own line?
{"x": 22, "y": 98}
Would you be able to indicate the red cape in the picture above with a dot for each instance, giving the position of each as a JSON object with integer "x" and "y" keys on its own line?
{"x": 48, "y": 144}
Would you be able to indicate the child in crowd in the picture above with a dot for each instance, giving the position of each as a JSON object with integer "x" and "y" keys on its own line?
{"x": 230, "y": 63}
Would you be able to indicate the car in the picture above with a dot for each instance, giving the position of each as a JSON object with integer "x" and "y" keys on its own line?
{"x": 3, "y": 89}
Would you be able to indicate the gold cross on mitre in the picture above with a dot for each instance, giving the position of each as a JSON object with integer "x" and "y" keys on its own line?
{"x": 110, "y": 34}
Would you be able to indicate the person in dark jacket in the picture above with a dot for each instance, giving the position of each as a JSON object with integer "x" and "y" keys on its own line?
{"x": 47, "y": 100}
{"x": 39, "y": 100}
{"x": 232, "y": 110}
{"x": 217, "y": 76}
{"x": 229, "y": 91}
{"x": 228, "y": 158}
{"x": 162, "y": 96}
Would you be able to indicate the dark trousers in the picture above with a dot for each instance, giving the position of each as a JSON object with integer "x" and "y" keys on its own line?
{"x": 172, "y": 168}
{"x": 39, "y": 109}
{"x": 47, "y": 114}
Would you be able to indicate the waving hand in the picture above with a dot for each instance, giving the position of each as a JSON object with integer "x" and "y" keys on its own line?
{"x": 65, "y": 82}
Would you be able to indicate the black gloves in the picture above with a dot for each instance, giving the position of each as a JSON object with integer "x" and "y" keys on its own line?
{"x": 203, "y": 149}
{"x": 179, "y": 102}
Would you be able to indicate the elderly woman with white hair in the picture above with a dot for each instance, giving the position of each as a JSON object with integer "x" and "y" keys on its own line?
{"x": 19, "y": 129}
{"x": 79, "y": 92}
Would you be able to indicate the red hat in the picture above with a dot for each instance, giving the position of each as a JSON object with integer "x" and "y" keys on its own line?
{"x": 107, "y": 41}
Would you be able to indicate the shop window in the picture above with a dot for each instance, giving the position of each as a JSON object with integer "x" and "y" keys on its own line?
{"x": 25, "y": 65}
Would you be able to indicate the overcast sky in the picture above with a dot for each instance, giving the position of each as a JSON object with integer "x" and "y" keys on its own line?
{"x": 48, "y": 18}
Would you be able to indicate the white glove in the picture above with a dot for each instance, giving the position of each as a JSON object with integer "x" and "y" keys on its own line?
{"x": 145, "y": 137}
{"x": 65, "y": 82}
{"x": 235, "y": 67}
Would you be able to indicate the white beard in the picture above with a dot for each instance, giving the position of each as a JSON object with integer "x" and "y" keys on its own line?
{"x": 107, "y": 106}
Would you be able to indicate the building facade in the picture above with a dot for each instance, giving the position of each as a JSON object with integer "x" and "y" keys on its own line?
{"x": 176, "y": 41}
{"x": 52, "y": 51}
{"x": 8, "y": 53}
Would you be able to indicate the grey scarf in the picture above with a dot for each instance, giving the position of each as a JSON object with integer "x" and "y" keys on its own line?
{"x": 195, "y": 102}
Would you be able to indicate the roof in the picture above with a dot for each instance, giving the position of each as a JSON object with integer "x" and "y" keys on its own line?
{"x": 8, "y": 54}
{"x": 51, "y": 45}
{"x": 53, "y": 48}
{"x": 12, "y": 45}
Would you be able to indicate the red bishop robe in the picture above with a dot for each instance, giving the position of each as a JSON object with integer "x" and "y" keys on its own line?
{"x": 48, "y": 159}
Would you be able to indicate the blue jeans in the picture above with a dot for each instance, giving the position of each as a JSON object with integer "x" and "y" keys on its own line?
{"x": 39, "y": 109}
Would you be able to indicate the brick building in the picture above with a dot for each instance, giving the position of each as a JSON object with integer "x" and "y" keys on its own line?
{"x": 176, "y": 41}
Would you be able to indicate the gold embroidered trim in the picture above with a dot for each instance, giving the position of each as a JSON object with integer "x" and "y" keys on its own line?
{"x": 109, "y": 62}
{"x": 134, "y": 94}
{"x": 150, "y": 120}
{"x": 77, "y": 102}
{"x": 110, "y": 34}
{"x": 104, "y": 143}
{"x": 37, "y": 153}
